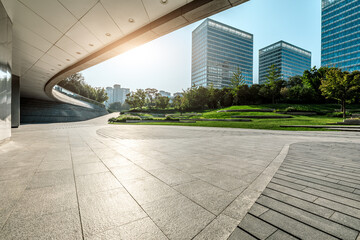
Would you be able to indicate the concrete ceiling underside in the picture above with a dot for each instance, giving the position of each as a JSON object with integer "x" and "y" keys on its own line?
{"x": 53, "y": 39}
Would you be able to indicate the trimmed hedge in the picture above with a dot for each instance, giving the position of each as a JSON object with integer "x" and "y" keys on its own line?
{"x": 123, "y": 118}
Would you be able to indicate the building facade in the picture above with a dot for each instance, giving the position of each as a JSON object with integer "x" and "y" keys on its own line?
{"x": 178, "y": 94}
{"x": 340, "y": 34}
{"x": 116, "y": 94}
{"x": 290, "y": 60}
{"x": 109, "y": 92}
{"x": 217, "y": 51}
{"x": 165, "y": 94}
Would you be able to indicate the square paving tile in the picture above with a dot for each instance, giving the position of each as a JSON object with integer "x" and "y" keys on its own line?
{"x": 178, "y": 217}
{"x": 47, "y": 200}
{"x": 51, "y": 178}
{"x": 116, "y": 161}
{"x": 172, "y": 176}
{"x": 212, "y": 198}
{"x": 143, "y": 229}
{"x": 220, "y": 180}
{"x": 62, "y": 225}
{"x": 16, "y": 173}
{"x": 89, "y": 168}
{"x": 106, "y": 210}
{"x": 148, "y": 189}
{"x": 96, "y": 182}
{"x": 129, "y": 172}
{"x": 11, "y": 191}
{"x": 54, "y": 165}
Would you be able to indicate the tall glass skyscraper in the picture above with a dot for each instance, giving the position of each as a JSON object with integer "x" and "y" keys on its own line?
{"x": 290, "y": 60}
{"x": 217, "y": 51}
{"x": 340, "y": 34}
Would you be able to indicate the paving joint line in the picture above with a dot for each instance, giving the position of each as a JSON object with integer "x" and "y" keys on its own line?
{"x": 126, "y": 189}
{"x": 76, "y": 191}
{"x": 278, "y": 228}
{"x": 329, "y": 219}
{"x": 295, "y": 220}
{"x": 316, "y": 188}
{"x": 317, "y": 196}
{"x": 21, "y": 195}
{"x": 322, "y": 169}
{"x": 315, "y": 182}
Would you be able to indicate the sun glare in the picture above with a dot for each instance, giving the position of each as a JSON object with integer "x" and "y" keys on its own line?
{"x": 142, "y": 54}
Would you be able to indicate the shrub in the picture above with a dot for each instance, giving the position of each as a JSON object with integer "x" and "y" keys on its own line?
{"x": 123, "y": 118}
{"x": 170, "y": 118}
{"x": 338, "y": 114}
{"x": 147, "y": 118}
{"x": 290, "y": 109}
{"x": 112, "y": 119}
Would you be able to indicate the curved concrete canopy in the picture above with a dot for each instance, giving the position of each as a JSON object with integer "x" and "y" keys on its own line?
{"x": 53, "y": 39}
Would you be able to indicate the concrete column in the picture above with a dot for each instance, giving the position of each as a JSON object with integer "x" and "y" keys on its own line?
{"x": 15, "y": 101}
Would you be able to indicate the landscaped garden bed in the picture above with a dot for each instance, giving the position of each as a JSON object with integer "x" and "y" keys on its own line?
{"x": 326, "y": 114}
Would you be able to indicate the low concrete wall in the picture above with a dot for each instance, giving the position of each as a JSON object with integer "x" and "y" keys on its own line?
{"x": 41, "y": 111}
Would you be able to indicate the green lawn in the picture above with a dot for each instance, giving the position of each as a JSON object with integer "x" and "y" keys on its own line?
{"x": 214, "y": 114}
{"x": 271, "y": 124}
{"x": 299, "y": 107}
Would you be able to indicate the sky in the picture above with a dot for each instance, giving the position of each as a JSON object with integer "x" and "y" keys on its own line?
{"x": 165, "y": 63}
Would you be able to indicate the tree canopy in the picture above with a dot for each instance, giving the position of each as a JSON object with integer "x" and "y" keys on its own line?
{"x": 341, "y": 86}
{"x": 273, "y": 84}
{"x": 76, "y": 84}
{"x": 136, "y": 99}
{"x": 237, "y": 79}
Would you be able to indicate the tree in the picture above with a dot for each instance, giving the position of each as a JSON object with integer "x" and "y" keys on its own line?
{"x": 177, "y": 102}
{"x": 195, "y": 98}
{"x": 162, "y": 102}
{"x": 237, "y": 82}
{"x": 341, "y": 86}
{"x": 274, "y": 83}
{"x": 73, "y": 83}
{"x": 76, "y": 84}
{"x": 237, "y": 79}
{"x": 254, "y": 96}
{"x": 214, "y": 96}
{"x": 118, "y": 107}
{"x": 101, "y": 95}
{"x": 312, "y": 80}
{"x": 136, "y": 99}
{"x": 241, "y": 95}
{"x": 294, "y": 81}
{"x": 151, "y": 94}
{"x": 227, "y": 97}
{"x": 115, "y": 106}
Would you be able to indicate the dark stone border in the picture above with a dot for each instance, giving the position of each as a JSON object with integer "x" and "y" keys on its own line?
{"x": 313, "y": 195}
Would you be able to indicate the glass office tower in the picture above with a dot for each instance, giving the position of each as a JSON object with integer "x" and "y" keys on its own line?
{"x": 217, "y": 51}
{"x": 340, "y": 34}
{"x": 290, "y": 60}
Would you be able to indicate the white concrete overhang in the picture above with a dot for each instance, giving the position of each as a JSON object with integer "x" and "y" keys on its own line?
{"x": 53, "y": 39}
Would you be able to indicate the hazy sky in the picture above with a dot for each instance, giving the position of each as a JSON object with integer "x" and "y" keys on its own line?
{"x": 165, "y": 63}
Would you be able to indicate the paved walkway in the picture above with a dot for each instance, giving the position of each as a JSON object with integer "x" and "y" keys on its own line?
{"x": 314, "y": 195}
{"x": 91, "y": 180}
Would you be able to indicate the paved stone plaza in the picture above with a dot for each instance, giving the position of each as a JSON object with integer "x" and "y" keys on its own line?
{"x": 90, "y": 180}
